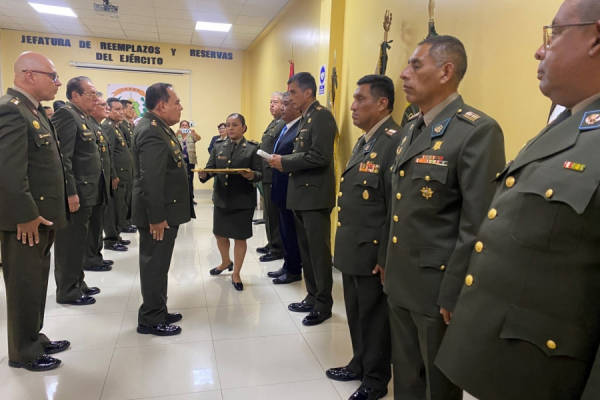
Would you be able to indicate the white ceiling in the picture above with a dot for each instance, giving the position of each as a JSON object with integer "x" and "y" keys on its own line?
{"x": 163, "y": 21}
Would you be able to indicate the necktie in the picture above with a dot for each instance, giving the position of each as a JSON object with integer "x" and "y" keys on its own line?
{"x": 418, "y": 128}
{"x": 283, "y": 131}
{"x": 233, "y": 146}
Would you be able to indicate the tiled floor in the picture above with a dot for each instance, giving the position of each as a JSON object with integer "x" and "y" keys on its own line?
{"x": 234, "y": 346}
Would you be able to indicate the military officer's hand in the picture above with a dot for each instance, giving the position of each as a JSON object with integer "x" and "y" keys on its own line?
{"x": 381, "y": 272}
{"x": 248, "y": 174}
{"x": 115, "y": 183}
{"x": 29, "y": 230}
{"x": 275, "y": 162}
{"x": 202, "y": 175}
{"x": 158, "y": 230}
{"x": 446, "y": 314}
{"x": 73, "y": 203}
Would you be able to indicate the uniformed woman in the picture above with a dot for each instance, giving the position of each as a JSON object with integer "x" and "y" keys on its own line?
{"x": 234, "y": 194}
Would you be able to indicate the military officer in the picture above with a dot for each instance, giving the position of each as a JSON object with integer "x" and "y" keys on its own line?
{"x": 32, "y": 206}
{"x": 361, "y": 238}
{"x": 234, "y": 195}
{"x": 115, "y": 220}
{"x": 94, "y": 260}
{"x": 161, "y": 202}
{"x": 311, "y": 194}
{"x": 527, "y": 323}
{"x": 274, "y": 248}
{"x": 441, "y": 188}
{"x": 127, "y": 131}
{"x": 86, "y": 190}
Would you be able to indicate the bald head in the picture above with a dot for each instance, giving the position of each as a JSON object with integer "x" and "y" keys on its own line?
{"x": 588, "y": 10}
{"x": 34, "y": 72}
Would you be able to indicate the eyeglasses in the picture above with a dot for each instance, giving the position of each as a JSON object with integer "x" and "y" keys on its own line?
{"x": 90, "y": 95}
{"x": 52, "y": 75}
{"x": 550, "y": 31}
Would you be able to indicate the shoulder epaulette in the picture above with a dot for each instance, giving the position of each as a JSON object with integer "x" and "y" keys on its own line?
{"x": 220, "y": 140}
{"x": 15, "y": 101}
{"x": 254, "y": 142}
{"x": 470, "y": 116}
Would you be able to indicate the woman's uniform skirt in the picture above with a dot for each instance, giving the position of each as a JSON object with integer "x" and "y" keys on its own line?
{"x": 232, "y": 223}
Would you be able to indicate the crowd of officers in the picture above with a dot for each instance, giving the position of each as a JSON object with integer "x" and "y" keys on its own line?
{"x": 460, "y": 271}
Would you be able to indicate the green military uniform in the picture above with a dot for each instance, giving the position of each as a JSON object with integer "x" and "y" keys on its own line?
{"x": 271, "y": 214}
{"x": 361, "y": 244}
{"x": 94, "y": 253}
{"x": 127, "y": 132}
{"x": 115, "y": 220}
{"x": 234, "y": 196}
{"x": 32, "y": 184}
{"x": 83, "y": 170}
{"x": 160, "y": 193}
{"x": 311, "y": 194}
{"x": 441, "y": 189}
{"x": 527, "y": 323}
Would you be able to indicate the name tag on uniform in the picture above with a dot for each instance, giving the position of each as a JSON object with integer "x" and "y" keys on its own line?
{"x": 222, "y": 157}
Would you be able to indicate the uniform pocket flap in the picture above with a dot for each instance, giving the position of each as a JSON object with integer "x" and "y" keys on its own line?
{"x": 431, "y": 257}
{"x": 369, "y": 236}
{"x": 561, "y": 185}
{"x": 367, "y": 179}
{"x": 430, "y": 172}
{"x": 554, "y": 337}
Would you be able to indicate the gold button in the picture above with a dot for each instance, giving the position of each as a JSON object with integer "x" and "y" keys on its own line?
{"x": 498, "y": 174}
{"x": 459, "y": 110}
{"x": 174, "y": 201}
{"x": 492, "y": 213}
{"x": 226, "y": 176}
{"x": 375, "y": 242}
{"x": 290, "y": 175}
{"x": 510, "y": 181}
{"x": 42, "y": 198}
{"x": 398, "y": 196}
{"x": 443, "y": 267}
{"x": 395, "y": 239}
{"x": 401, "y": 172}
{"x": 85, "y": 183}
{"x": 479, "y": 247}
{"x": 551, "y": 344}
{"x": 339, "y": 209}
{"x": 225, "y": 183}
{"x": 395, "y": 218}
{"x": 364, "y": 182}
{"x": 469, "y": 280}
{"x": 549, "y": 193}
{"x": 339, "y": 224}
{"x": 340, "y": 194}
{"x": 229, "y": 162}
{"x": 427, "y": 178}
{"x": 307, "y": 185}
{"x": 342, "y": 180}
{"x": 293, "y": 151}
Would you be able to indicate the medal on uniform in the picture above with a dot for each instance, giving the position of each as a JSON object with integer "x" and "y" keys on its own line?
{"x": 84, "y": 127}
{"x": 427, "y": 193}
{"x": 373, "y": 155}
{"x": 437, "y": 145}
{"x": 366, "y": 195}
{"x": 36, "y": 125}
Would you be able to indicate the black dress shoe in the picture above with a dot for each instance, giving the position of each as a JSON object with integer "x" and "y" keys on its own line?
{"x": 287, "y": 278}
{"x": 366, "y": 393}
{"x": 258, "y": 221}
{"x": 217, "y": 271}
{"x": 270, "y": 257}
{"x": 43, "y": 363}
{"x": 125, "y": 242}
{"x": 239, "y": 286}
{"x": 342, "y": 374}
{"x": 130, "y": 229}
{"x": 301, "y": 307}
{"x": 116, "y": 247}
{"x": 173, "y": 317}
{"x": 262, "y": 250}
{"x": 92, "y": 291}
{"x": 57, "y": 346}
{"x": 276, "y": 274}
{"x": 98, "y": 268}
{"x": 83, "y": 301}
{"x": 315, "y": 318}
{"x": 162, "y": 329}
{"x": 107, "y": 262}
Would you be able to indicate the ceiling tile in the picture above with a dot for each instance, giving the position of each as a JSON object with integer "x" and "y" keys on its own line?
{"x": 254, "y": 21}
{"x": 91, "y": 14}
{"x": 178, "y": 4}
{"x": 37, "y": 28}
{"x": 12, "y": 26}
{"x": 15, "y": 12}
{"x": 234, "y": 46}
{"x": 62, "y": 20}
{"x": 232, "y": 1}
{"x": 213, "y": 17}
{"x": 135, "y": 10}
{"x": 111, "y": 36}
{"x": 136, "y": 19}
{"x": 74, "y": 33}
{"x": 169, "y": 30}
{"x": 208, "y": 35}
{"x": 112, "y": 31}
{"x": 237, "y": 42}
{"x": 5, "y": 19}
{"x": 246, "y": 29}
{"x": 141, "y": 34}
{"x": 268, "y": 3}
{"x": 175, "y": 23}
{"x": 166, "y": 38}
{"x": 173, "y": 14}
{"x": 104, "y": 24}
{"x": 17, "y": 5}
{"x": 241, "y": 36}
{"x": 207, "y": 42}
{"x": 257, "y": 11}
{"x": 32, "y": 22}
{"x": 143, "y": 37}
{"x": 137, "y": 27}
{"x": 217, "y": 7}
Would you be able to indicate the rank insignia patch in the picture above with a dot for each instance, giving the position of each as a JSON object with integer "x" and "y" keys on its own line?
{"x": 574, "y": 166}
{"x": 153, "y": 123}
{"x": 439, "y": 129}
{"x": 15, "y": 101}
{"x": 590, "y": 120}
{"x": 36, "y": 125}
{"x": 471, "y": 116}
{"x": 427, "y": 193}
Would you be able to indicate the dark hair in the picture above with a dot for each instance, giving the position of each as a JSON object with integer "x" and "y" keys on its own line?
{"x": 448, "y": 49}
{"x": 221, "y": 124}
{"x": 157, "y": 93}
{"x": 241, "y": 118}
{"x": 182, "y": 121}
{"x": 58, "y": 104}
{"x": 76, "y": 85}
{"x": 111, "y": 100}
{"x": 99, "y": 94}
{"x": 381, "y": 86}
{"x": 47, "y": 108}
{"x": 125, "y": 103}
{"x": 305, "y": 81}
